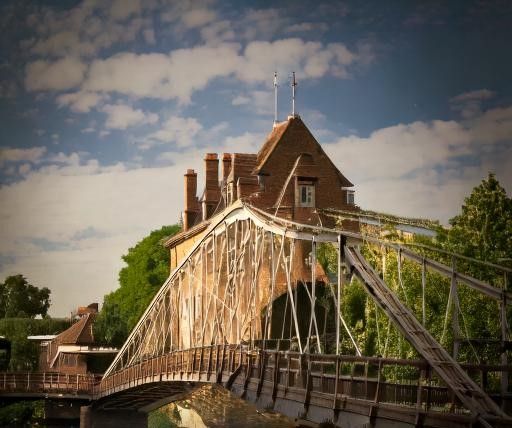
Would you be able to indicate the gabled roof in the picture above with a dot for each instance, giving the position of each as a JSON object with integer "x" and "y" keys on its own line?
{"x": 278, "y": 134}
{"x": 80, "y": 333}
{"x": 270, "y": 144}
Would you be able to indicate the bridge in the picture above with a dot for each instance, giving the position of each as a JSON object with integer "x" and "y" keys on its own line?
{"x": 216, "y": 320}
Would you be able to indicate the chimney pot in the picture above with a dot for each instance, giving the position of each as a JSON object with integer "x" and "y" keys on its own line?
{"x": 226, "y": 166}
{"x": 211, "y": 188}
{"x": 191, "y": 204}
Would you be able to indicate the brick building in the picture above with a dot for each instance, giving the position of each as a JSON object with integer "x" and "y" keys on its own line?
{"x": 75, "y": 350}
{"x": 290, "y": 177}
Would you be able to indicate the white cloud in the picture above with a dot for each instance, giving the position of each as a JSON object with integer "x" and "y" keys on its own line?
{"x": 307, "y": 27}
{"x": 24, "y": 169}
{"x": 421, "y": 169}
{"x": 184, "y": 71}
{"x": 308, "y": 59}
{"x": 53, "y": 205}
{"x": 469, "y": 104}
{"x": 62, "y": 74}
{"x": 122, "y": 9}
{"x": 240, "y": 100}
{"x": 493, "y": 126}
{"x": 259, "y": 102}
{"x": 178, "y": 130}
{"x": 87, "y": 28}
{"x": 198, "y": 17}
{"x": 80, "y": 102}
{"x": 480, "y": 94}
{"x": 33, "y": 154}
{"x": 402, "y": 149}
{"x": 218, "y": 32}
{"x": 262, "y": 23}
{"x": 63, "y": 43}
{"x": 162, "y": 76}
{"x": 72, "y": 159}
{"x": 121, "y": 116}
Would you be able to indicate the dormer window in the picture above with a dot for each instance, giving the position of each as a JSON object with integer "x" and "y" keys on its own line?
{"x": 305, "y": 196}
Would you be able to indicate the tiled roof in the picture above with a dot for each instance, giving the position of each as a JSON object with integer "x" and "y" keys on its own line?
{"x": 273, "y": 138}
{"x": 80, "y": 333}
{"x": 278, "y": 133}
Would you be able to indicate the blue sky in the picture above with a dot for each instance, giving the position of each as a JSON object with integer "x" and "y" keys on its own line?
{"x": 104, "y": 105}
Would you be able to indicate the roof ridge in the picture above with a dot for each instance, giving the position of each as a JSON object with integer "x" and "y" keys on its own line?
{"x": 271, "y": 142}
{"x": 86, "y": 323}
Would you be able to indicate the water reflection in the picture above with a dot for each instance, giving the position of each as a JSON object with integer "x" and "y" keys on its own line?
{"x": 212, "y": 406}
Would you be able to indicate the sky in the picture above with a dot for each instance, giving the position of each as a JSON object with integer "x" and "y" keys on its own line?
{"x": 104, "y": 105}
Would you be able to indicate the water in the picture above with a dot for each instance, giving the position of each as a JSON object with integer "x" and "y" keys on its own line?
{"x": 214, "y": 407}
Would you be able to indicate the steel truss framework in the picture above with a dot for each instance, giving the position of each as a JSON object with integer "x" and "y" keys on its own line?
{"x": 222, "y": 293}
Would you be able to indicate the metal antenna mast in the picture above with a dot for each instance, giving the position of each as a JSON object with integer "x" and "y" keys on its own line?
{"x": 294, "y": 84}
{"x": 275, "y": 98}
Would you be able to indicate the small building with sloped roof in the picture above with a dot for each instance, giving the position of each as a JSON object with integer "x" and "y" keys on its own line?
{"x": 75, "y": 350}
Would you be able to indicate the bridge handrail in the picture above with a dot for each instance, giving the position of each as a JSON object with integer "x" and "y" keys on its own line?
{"x": 375, "y": 240}
{"x": 33, "y": 382}
{"x": 336, "y": 375}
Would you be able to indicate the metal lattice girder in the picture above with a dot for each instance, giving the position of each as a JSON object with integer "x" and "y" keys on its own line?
{"x": 222, "y": 293}
{"x": 468, "y": 392}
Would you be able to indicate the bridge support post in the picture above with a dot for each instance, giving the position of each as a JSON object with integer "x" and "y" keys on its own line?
{"x": 116, "y": 418}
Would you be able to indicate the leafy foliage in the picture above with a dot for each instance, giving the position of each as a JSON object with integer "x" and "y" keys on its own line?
{"x": 20, "y": 299}
{"x": 483, "y": 230}
{"x": 22, "y": 413}
{"x": 147, "y": 267}
{"x": 25, "y": 353}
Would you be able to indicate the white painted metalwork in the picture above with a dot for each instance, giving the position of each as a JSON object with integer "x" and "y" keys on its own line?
{"x": 223, "y": 292}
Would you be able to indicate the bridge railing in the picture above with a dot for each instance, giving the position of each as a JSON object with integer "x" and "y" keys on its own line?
{"x": 410, "y": 383}
{"x": 47, "y": 382}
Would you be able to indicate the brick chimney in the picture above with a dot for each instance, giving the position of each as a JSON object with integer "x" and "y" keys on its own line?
{"x": 191, "y": 203}
{"x": 226, "y": 166}
{"x": 211, "y": 189}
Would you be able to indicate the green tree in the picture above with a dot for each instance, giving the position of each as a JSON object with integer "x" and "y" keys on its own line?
{"x": 24, "y": 352}
{"x": 20, "y": 299}
{"x": 483, "y": 229}
{"x": 147, "y": 267}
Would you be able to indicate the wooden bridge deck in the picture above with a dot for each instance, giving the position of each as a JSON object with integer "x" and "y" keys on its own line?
{"x": 294, "y": 384}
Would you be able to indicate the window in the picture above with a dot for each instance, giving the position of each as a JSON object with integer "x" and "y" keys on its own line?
{"x": 350, "y": 197}
{"x": 306, "y": 196}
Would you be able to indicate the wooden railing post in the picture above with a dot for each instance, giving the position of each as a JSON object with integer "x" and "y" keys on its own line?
{"x": 309, "y": 384}
{"x": 276, "y": 375}
{"x": 419, "y": 393}
{"x": 428, "y": 376}
{"x": 262, "y": 365}
{"x": 288, "y": 363}
{"x": 334, "y": 406}
{"x": 248, "y": 371}
{"x": 379, "y": 379}
{"x": 209, "y": 363}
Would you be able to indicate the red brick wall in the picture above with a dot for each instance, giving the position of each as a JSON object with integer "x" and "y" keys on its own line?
{"x": 298, "y": 140}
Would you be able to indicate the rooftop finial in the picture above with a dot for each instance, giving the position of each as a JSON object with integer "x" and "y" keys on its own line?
{"x": 275, "y": 98}
{"x": 294, "y": 84}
